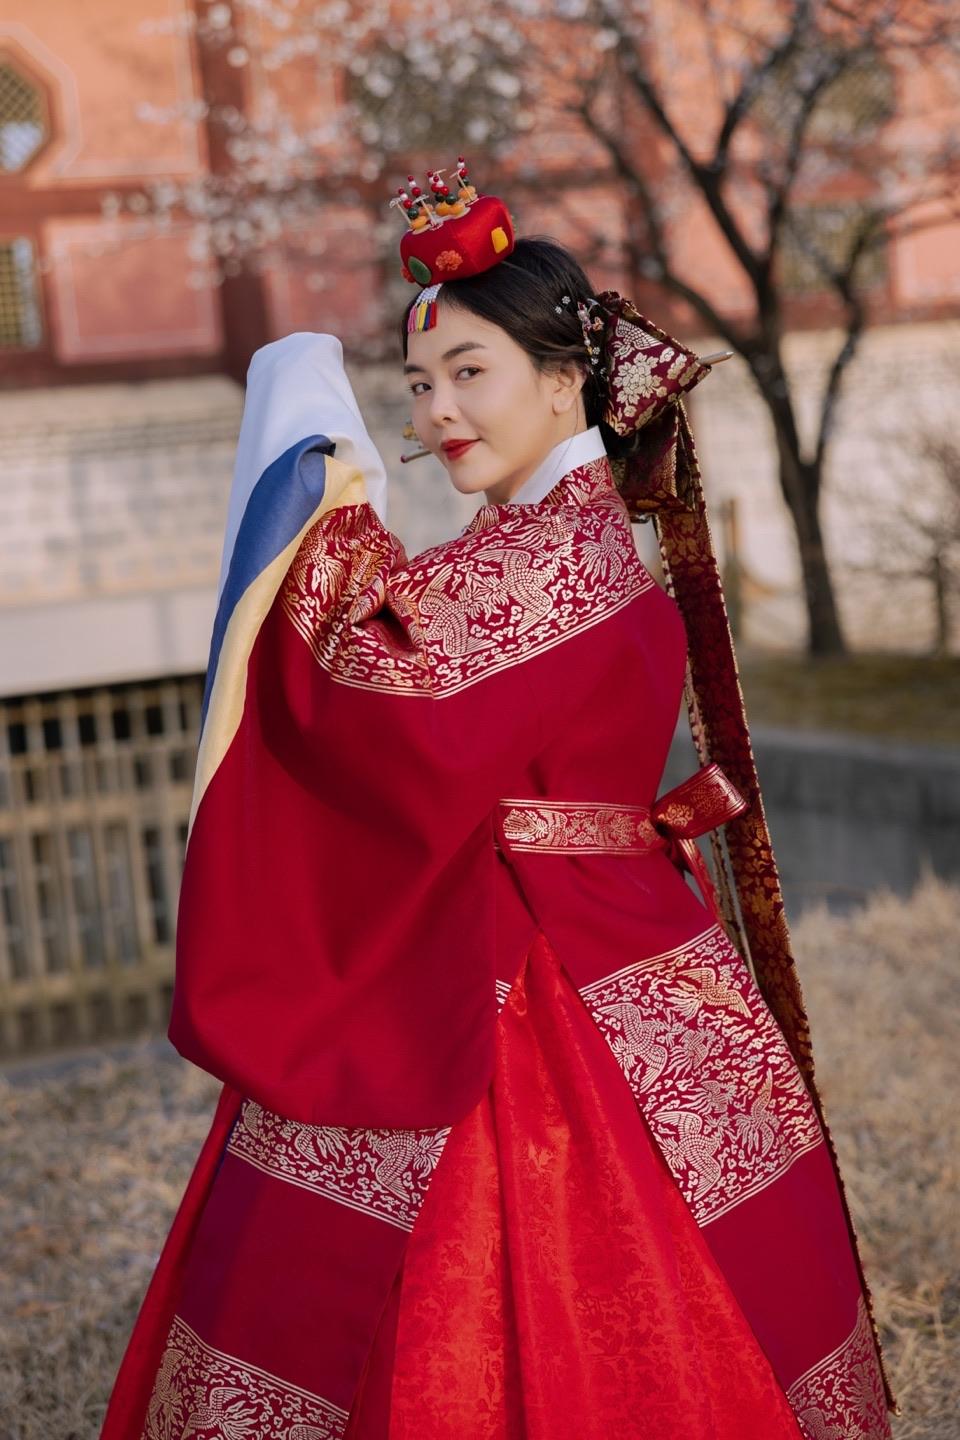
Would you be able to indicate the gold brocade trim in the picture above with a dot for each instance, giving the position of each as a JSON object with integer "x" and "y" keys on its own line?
{"x": 842, "y": 1396}
{"x": 382, "y": 1173}
{"x": 470, "y": 607}
{"x": 708, "y": 795}
{"x": 710, "y": 1069}
{"x": 200, "y": 1391}
{"x": 343, "y": 487}
{"x": 652, "y": 960}
{"x": 559, "y": 826}
{"x": 586, "y": 483}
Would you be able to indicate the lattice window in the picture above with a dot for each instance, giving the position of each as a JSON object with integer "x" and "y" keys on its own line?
{"x": 846, "y": 112}
{"x": 858, "y": 102}
{"x": 826, "y": 233}
{"x": 20, "y": 323}
{"x": 23, "y": 119}
{"x": 11, "y": 913}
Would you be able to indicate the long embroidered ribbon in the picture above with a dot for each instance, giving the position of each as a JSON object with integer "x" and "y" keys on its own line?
{"x": 663, "y": 480}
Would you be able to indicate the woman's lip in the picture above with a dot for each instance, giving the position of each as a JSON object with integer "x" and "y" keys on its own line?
{"x": 458, "y": 448}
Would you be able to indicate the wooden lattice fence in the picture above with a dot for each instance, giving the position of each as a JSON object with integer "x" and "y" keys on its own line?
{"x": 95, "y": 790}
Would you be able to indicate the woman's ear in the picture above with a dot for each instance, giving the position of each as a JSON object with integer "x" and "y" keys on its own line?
{"x": 568, "y": 380}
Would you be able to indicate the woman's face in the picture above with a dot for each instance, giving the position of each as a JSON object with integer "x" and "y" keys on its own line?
{"x": 470, "y": 381}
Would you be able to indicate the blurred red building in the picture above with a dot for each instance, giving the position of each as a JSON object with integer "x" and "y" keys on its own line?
{"x": 87, "y": 296}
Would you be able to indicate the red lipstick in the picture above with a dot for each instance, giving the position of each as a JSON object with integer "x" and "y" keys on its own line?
{"x": 455, "y": 448}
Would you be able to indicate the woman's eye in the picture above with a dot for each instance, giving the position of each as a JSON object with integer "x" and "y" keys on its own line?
{"x": 474, "y": 369}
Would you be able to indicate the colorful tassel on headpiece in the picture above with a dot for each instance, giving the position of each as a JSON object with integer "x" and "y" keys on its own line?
{"x": 423, "y": 311}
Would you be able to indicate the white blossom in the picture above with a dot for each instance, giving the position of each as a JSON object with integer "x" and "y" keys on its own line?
{"x": 502, "y": 82}
{"x": 378, "y": 83}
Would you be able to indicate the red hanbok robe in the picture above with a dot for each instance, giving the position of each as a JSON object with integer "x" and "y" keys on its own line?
{"x": 509, "y": 1143}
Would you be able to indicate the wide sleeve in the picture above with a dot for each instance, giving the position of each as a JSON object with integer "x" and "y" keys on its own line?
{"x": 362, "y": 716}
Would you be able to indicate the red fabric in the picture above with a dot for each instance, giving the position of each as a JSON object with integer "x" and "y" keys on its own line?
{"x": 344, "y": 923}
{"x": 703, "y": 802}
{"x": 552, "y": 1228}
{"x": 337, "y": 914}
{"x": 555, "y": 1284}
{"x": 461, "y": 245}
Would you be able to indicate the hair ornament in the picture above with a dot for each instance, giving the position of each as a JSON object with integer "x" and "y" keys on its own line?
{"x": 590, "y": 324}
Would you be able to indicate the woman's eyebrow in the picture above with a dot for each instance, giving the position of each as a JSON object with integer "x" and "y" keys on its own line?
{"x": 449, "y": 354}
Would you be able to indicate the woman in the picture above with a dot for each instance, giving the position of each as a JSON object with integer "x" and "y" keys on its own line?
{"x": 510, "y": 1143}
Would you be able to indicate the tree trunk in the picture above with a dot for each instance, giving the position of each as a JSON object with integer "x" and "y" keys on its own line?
{"x": 938, "y": 570}
{"x": 800, "y": 483}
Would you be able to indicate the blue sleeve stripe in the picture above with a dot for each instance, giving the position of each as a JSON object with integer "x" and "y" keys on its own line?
{"x": 283, "y": 499}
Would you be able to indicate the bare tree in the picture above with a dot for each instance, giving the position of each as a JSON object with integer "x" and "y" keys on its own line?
{"x": 913, "y": 531}
{"x": 780, "y": 135}
{"x": 782, "y": 138}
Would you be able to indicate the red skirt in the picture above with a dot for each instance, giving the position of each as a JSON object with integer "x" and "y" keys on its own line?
{"x": 534, "y": 1272}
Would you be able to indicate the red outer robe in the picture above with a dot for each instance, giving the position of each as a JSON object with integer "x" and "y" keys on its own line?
{"x": 388, "y": 706}
{"x": 613, "y": 1204}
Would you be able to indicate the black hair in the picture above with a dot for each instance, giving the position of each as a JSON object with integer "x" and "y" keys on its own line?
{"x": 523, "y": 294}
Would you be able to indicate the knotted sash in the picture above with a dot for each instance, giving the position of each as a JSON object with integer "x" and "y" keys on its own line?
{"x": 702, "y": 802}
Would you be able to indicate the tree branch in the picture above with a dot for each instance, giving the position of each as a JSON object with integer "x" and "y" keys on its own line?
{"x": 779, "y": 196}
{"x": 702, "y": 174}
{"x": 740, "y": 104}
{"x": 843, "y": 281}
{"x": 637, "y": 185}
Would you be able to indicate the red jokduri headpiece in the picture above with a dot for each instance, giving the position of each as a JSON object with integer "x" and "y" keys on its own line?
{"x": 453, "y": 234}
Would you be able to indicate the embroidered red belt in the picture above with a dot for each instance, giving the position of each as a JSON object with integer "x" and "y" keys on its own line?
{"x": 574, "y": 827}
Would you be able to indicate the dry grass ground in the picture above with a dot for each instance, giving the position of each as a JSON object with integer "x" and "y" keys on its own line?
{"x": 885, "y": 696}
{"x": 95, "y": 1164}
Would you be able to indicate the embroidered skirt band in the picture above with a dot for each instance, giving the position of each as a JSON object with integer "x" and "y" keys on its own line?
{"x": 700, "y": 803}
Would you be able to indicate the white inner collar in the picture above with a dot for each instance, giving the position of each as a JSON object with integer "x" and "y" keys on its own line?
{"x": 565, "y": 456}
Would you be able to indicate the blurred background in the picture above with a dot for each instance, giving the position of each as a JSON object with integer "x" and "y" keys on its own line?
{"x": 182, "y": 181}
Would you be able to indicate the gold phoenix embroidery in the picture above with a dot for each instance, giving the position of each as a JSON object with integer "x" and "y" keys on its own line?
{"x": 710, "y": 1069}
{"x": 199, "y": 1390}
{"x": 842, "y": 1397}
{"x": 466, "y": 609}
{"x": 592, "y": 481}
{"x": 383, "y": 1173}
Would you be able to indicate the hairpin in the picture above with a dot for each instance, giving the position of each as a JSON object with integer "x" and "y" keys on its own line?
{"x": 588, "y": 325}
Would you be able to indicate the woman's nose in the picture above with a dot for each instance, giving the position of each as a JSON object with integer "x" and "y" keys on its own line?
{"x": 443, "y": 407}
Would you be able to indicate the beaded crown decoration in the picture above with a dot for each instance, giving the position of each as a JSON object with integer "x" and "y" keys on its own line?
{"x": 453, "y": 233}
